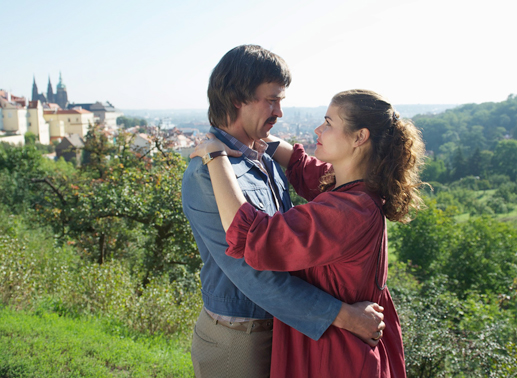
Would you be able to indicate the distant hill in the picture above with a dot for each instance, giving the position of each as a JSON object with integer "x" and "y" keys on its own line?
{"x": 291, "y": 114}
{"x": 469, "y": 126}
{"x": 406, "y": 111}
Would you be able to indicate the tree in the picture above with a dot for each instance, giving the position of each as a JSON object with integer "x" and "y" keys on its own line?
{"x": 486, "y": 250}
{"x": 423, "y": 241}
{"x": 18, "y": 165}
{"x": 129, "y": 122}
{"x": 434, "y": 170}
{"x": 459, "y": 164}
{"x": 483, "y": 247}
{"x": 30, "y": 138}
{"x": 505, "y": 158}
{"x": 97, "y": 151}
{"x": 128, "y": 208}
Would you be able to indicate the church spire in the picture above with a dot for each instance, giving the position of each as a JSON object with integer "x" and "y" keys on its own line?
{"x": 50, "y": 91}
{"x": 60, "y": 85}
{"x": 35, "y": 93}
{"x": 61, "y": 96}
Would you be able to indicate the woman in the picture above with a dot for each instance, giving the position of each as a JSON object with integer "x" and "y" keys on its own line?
{"x": 366, "y": 169}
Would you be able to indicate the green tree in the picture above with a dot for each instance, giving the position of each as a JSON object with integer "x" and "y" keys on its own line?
{"x": 18, "y": 165}
{"x": 128, "y": 122}
{"x": 486, "y": 250}
{"x": 459, "y": 164}
{"x": 97, "y": 151}
{"x": 128, "y": 208}
{"x": 504, "y": 160}
{"x": 434, "y": 170}
{"x": 421, "y": 242}
{"x": 30, "y": 138}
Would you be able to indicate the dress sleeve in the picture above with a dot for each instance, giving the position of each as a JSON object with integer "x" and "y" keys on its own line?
{"x": 334, "y": 227}
{"x": 304, "y": 173}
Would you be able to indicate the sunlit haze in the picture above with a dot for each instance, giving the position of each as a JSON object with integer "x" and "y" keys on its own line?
{"x": 159, "y": 54}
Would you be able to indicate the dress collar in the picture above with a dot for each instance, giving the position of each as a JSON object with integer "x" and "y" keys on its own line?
{"x": 347, "y": 185}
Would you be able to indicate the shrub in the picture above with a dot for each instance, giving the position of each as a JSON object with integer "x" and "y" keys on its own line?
{"x": 498, "y": 205}
{"x": 445, "y": 336}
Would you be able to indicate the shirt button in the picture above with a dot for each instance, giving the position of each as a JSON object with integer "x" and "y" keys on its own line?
{"x": 261, "y": 205}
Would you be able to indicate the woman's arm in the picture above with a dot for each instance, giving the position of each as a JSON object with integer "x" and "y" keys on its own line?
{"x": 304, "y": 173}
{"x": 227, "y": 192}
{"x": 335, "y": 227}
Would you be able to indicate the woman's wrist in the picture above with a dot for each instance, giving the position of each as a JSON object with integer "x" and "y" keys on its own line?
{"x": 208, "y": 157}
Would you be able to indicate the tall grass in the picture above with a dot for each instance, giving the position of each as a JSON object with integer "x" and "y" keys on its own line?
{"x": 38, "y": 275}
{"x": 44, "y": 344}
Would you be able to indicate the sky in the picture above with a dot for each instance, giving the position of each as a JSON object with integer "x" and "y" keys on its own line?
{"x": 159, "y": 54}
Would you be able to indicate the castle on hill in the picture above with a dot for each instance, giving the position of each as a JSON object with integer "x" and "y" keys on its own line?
{"x": 50, "y": 116}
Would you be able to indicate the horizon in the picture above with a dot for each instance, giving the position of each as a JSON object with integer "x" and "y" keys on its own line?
{"x": 159, "y": 55}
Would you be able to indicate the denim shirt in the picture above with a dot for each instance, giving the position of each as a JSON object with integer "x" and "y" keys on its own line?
{"x": 230, "y": 286}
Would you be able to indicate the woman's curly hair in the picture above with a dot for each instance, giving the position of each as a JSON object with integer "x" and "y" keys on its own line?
{"x": 397, "y": 153}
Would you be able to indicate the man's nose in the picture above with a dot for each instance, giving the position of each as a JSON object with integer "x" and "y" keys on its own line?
{"x": 277, "y": 110}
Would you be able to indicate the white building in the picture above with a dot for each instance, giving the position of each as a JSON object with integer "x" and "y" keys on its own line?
{"x": 13, "y": 124}
{"x": 142, "y": 144}
{"x": 36, "y": 123}
{"x": 71, "y": 121}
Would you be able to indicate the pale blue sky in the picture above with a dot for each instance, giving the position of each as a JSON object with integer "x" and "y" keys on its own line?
{"x": 159, "y": 54}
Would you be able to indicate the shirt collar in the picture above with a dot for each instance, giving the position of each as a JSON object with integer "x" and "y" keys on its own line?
{"x": 259, "y": 146}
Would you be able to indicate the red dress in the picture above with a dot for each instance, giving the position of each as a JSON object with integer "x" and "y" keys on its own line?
{"x": 336, "y": 242}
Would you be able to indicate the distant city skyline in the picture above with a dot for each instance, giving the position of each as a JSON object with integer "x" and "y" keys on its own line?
{"x": 159, "y": 54}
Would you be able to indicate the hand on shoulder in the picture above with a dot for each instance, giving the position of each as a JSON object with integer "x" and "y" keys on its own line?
{"x": 212, "y": 144}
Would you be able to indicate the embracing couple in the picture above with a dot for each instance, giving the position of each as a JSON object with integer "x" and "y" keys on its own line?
{"x": 297, "y": 291}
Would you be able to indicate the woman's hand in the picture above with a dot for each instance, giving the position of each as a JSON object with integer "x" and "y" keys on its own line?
{"x": 212, "y": 144}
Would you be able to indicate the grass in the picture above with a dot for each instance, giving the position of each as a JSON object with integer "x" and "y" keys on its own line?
{"x": 483, "y": 196}
{"x": 43, "y": 344}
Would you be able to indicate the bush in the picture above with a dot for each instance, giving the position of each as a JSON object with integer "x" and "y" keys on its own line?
{"x": 508, "y": 192}
{"x": 498, "y": 205}
{"x": 498, "y": 180}
{"x": 445, "y": 336}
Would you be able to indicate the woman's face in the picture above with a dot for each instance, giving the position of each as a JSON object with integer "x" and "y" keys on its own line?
{"x": 333, "y": 143}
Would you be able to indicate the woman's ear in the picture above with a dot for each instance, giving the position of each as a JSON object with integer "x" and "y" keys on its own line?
{"x": 361, "y": 137}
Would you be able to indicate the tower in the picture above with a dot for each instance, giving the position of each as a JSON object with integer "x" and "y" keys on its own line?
{"x": 35, "y": 94}
{"x": 61, "y": 95}
{"x": 50, "y": 92}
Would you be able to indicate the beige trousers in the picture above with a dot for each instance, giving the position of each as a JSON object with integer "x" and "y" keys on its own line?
{"x": 221, "y": 352}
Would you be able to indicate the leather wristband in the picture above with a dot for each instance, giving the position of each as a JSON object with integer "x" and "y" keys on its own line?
{"x": 212, "y": 155}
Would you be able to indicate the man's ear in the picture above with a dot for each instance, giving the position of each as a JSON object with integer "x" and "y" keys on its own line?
{"x": 237, "y": 104}
{"x": 361, "y": 137}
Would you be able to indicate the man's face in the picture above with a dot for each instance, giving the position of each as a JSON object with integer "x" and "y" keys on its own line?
{"x": 258, "y": 116}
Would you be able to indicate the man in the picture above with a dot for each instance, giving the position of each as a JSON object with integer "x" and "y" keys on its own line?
{"x": 232, "y": 336}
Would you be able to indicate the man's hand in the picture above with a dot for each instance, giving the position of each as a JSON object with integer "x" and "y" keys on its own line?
{"x": 363, "y": 319}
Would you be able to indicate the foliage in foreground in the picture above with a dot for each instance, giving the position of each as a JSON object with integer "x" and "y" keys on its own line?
{"x": 455, "y": 287}
{"x": 448, "y": 337}
{"x": 33, "y": 272}
{"x": 46, "y": 345}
